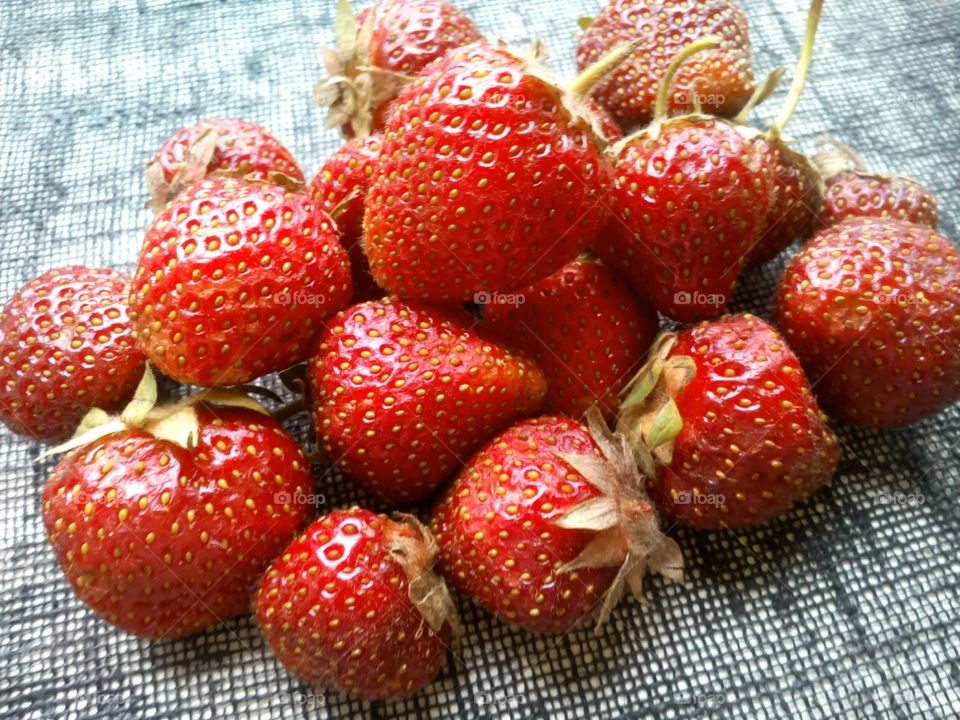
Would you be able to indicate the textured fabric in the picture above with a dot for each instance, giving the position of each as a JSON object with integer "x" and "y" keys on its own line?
{"x": 848, "y": 607}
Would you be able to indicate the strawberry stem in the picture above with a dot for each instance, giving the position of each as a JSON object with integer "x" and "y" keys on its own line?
{"x": 803, "y": 67}
{"x": 708, "y": 43}
{"x": 586, "y": 81}
{"x": 763, "y": 91}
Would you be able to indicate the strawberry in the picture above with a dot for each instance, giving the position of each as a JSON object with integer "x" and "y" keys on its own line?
{"x": 583, "y": 327}
{"x": 690, "y": 197}
{"x": 402, "y": 391}
{"x": 490, "y": 177}
{"x": 721, "y": 81}
{"x": 378, "y": 52}
{"x": 163, "y": 520}
{"x": 723, "y": 421}
{"x": 548, "y": 523}
{"x": 67, "y": 345}
{"x": 340, "y": 188}
{"x": 234, "y": 280}
{"x": 872, "y": 307}
{"x": 213, "y": 146}
{"x": 354, "y": 604}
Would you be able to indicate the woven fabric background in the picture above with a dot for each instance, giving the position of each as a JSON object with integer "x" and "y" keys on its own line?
{"x": 848, "y": 607}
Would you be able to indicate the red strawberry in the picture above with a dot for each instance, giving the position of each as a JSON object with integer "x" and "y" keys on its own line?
{"x": 690, "y": 197}
{"x": 721, "y": 80}
{"x": 537, "y": 525}
{"x": 67, "y": 345}
{"x": 211, "y": 146}
{"x": 163, "y": 535}
{"x": 491, "y": 178}
{"x": 402, "y": 392}
{"x": 872, "y": 306}
{"x": 377, "y": 53}
{"x": 723, "y": 418}
{"x": 354, "y": 604}
{"x": 583, "y": 327}
{"x": 340, "y": 188}
{"x": 234, "y": 280}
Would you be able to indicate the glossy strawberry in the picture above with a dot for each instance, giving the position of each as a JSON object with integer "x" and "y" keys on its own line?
{"x": 67, "y": 345}
{"x": 340, "y": 188}
{"x": 404, "y": 392}
{"x": 584, "y": 327}
{"x": 537, "y": 524}
{"x": 726, "y": 418}
{"x": 234, "y": 281}
{"x": 872, "y": 307}
{"x": 487, "y": 181}
{"x": 163, "y": 541}
{"x": 721, "y": 80}
{"x": 354, "y": 604}
{"x": 379, "y": 51}
{"x": 216, "y": 145}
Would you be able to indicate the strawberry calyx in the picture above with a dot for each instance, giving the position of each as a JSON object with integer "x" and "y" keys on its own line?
{"x": 628, "y": 534}
{"x": 199, "y": 155}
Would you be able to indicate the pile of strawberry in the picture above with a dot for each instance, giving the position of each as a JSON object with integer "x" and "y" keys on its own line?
{"x": 470, "y": 292}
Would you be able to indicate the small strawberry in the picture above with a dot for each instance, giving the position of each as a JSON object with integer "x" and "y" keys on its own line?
{"x": 723, "y": 419}
{"x": 212, "y": 146}
{"x": 548, "y": 524}
{"x": 234, "y": 280}
{"x": 690, "y": 197}
{"x": 857, "y": 192}
{"x": 379, "y": 51}
{"x": 722, "y": 80}
{"x": 340, "y": 188}
{"x": 490, "y": 177}
{"x": 872, "y": 306}
{"x": 67, "y": 345}
{"x": 403, "y": 391}
{"x": 163, "y": 519}
{"x": 583, "y": 327}
{"x": 354, "y": 604}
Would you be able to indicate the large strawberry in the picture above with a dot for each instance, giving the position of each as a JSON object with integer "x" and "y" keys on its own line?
{"x": 490, "y": 179}
{"x": 234, "y": 280}
{"x": 217, "y": 145}
{"x": 872, "y": 307}
{"x": 690, "y": 198}
{"x": 354, "y": 604}
{"x": 341, "y": 187}
{"x": 584, "y": 327}
{"x": 404, "y": 392}
{"x": 379, "y": 51}
{"x": 67, "y": 346}
{"x": 720, "y": 81}
{"x": 163, "y": 519}
{"x": 549, "y": 523}
{"x": 723, "y": 421}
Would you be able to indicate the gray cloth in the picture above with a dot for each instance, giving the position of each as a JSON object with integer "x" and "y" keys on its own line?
{"x": 848, "y": 607}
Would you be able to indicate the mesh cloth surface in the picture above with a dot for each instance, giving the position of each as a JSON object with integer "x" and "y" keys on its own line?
{"x": 847, "y": 607}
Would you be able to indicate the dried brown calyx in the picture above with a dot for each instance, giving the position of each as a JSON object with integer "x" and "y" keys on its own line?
{"x": 628, "y": 534}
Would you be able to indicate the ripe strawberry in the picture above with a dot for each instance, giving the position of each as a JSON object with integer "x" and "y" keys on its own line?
{"x": 379, "y": 51}
{"x": 67, "y": 345}
{"x": 538, "y": 523}
{"x": 491, "y": 177}
{"x": 340, "y": 188}
{"x": 354, "y": 604}
{"x": 403, "y": 391}
{"x": 584, "y": 328}
{"x": 690, "y": 197}
{"x": 722, "y": 80}
{"x": 234, "y": 280}
{"x": 212, "y": 146}
{"x": 872, "y": 306}
{"x": 163, "y": 535}
{"x": 723, "y": 419}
